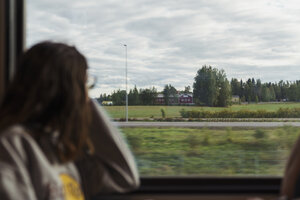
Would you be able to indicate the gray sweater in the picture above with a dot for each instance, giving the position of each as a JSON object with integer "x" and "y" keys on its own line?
{"x": 26, "y": 172}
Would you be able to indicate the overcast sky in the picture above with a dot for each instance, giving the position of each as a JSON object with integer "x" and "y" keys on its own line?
{"x": 169, "y": 40}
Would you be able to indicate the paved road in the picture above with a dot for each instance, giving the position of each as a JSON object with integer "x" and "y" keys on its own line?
{"x": 205, "y": 124}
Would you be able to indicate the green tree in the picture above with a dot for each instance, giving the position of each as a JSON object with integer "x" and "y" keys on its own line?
{"x": 277, "y": 91}
{"x": 170, "y": 93}
{"x": 224, "y": 97}
{"x": 248, "y": 90}
{"x": 298, "y": 90}
{"x": 253, "y": 89}
{"x": 284, "y": 87}
{"x": 205, "y": 86}
{"x": 211, "y": 87}
{"x": 258, "y": 89}
{"x": 103, "y": 97}
{"x": 133, "y": 97}
{"x": 293, "y": 92}
{"x": 147, "y": 96}
{"x": 118, "y": 97}
{"x": 265, "y": 93}
{"x": 235, "y": 87}
{"x": 272, "y": 93}
{"x": 187, "y": 89}
{"x": 256, "y": 99}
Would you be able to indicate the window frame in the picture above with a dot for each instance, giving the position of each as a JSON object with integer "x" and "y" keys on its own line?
{"x": 210, "y": 185}
{"x": 11, "y": 39}
{"x": 12, "y": 45}
{"x": 2, "y": 49}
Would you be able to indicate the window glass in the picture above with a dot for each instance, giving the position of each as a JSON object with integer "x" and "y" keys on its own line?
{"x": 214, "y": 84}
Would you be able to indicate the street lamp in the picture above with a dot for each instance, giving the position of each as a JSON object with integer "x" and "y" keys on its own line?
{"x": 126, "y": 82}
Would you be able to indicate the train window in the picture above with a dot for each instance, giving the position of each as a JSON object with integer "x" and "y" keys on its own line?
{"x": 2, "y": 70}
{"x": 212, "y": 86}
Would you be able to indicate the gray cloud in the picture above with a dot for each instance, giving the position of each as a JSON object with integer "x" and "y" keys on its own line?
{"x": 169, "y": 40}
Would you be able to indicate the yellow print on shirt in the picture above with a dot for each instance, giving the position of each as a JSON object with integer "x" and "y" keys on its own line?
{"x": 71, "y": 188}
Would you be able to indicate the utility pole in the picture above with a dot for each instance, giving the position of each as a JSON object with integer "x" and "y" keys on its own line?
{"x": 125, "y": 45}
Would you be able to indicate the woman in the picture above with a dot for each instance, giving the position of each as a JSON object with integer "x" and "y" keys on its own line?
{"x": 46, "y": 122}
{"x": 290, "y": 187}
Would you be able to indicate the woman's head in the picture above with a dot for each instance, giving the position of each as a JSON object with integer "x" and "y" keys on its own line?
{"x": 49, "y": 90}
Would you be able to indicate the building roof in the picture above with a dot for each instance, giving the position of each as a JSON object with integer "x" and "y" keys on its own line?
{"x": 161, "y": 95}
{"x": 186, "y": 95}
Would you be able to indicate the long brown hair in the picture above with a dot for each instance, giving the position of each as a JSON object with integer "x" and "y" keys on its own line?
{"x": 48, "y": 91}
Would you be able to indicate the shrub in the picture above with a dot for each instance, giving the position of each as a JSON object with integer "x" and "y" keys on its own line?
{"x": 283, "y": 112}
{"x": 163, "y": 113}
{"x": 280, "y": 113}
{"x": 296, "y": 112}
{"x": 183, "y": 113}
{"x": 259, "y": 134}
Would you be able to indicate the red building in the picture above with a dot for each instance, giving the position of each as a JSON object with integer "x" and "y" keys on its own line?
{"x": 160, "y": 99}
{"x": 185, "y": 99}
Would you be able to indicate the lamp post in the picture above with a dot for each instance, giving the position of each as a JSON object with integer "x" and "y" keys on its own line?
{"x": 126, "y": 82}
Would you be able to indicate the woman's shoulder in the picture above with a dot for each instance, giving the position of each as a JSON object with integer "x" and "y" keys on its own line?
{"x": 15, "y": 132}
{"x": 16, "y": 139}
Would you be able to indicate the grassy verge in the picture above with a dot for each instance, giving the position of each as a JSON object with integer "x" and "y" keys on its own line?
{"x": 217, "y": 152}
{"x": 173, "y": 111}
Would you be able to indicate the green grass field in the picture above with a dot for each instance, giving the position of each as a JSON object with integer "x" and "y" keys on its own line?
{"x": 173, "y": 111}
{"x": 211, "y": 152}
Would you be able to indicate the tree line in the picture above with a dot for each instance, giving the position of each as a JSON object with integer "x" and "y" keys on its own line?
{"x": 135, "y": 97}
{"x": 142, "y": 96}
{"x": 212, "y": 88}
{"x": 254, "y": 91}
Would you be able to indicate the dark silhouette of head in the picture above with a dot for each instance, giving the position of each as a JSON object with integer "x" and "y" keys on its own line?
{"x": 48, "y": 94}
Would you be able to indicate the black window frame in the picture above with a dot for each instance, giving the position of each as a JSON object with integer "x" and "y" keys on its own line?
{"x": 14, "y": 35}
{"x": 14, "y": 46}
